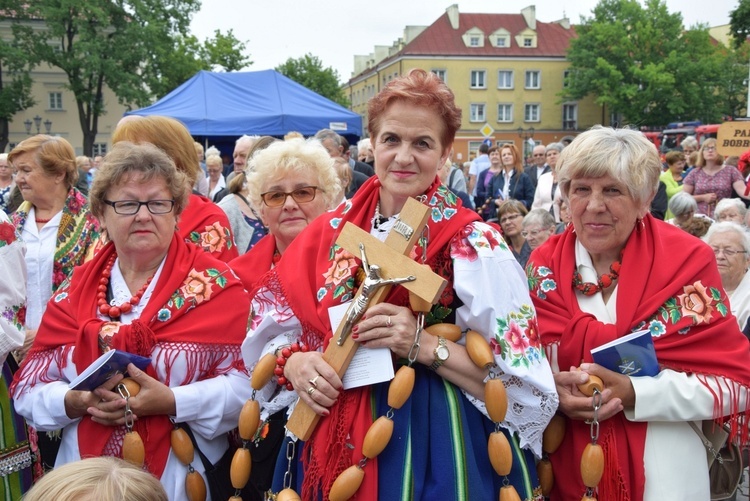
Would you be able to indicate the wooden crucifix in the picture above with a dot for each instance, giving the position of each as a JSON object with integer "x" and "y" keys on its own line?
{"x": 390, "y": 261}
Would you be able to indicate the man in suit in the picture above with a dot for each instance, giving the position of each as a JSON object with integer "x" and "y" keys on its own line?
{"x": 539, "y": 165}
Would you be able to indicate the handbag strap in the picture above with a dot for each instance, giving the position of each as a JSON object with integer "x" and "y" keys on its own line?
{"x": 706, "y": 442}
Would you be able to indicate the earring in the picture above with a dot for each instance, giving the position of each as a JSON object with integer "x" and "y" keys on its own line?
{"x": 640, "y": 225}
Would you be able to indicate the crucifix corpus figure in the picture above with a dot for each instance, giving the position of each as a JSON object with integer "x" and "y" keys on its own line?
{"x": 373, "y": 281}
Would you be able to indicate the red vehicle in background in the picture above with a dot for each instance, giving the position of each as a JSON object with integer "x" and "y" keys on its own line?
{"x": 703, "y": 132}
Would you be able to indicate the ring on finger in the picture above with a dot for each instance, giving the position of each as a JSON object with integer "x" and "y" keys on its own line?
{"x": 314, "y": 380}
{"x": 388, "y": 323}
{"x": 311, "y": 390}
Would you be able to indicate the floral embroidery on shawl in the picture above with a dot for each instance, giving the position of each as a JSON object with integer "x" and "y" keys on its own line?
{"x": 540, "y": 280}
{"x": 339, "y": 277}
{"x": 697, "y": 305}
{"x": 196, "y": 289}
{"x": 214, "y": 238}
{"x": 517, "y": 338}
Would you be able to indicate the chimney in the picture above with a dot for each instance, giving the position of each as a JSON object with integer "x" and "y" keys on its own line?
{"x": 529, "y": 14}
{"x": 453, "y": 15}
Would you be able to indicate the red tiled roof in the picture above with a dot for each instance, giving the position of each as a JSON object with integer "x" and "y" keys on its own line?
{"x": 441, "y": 39}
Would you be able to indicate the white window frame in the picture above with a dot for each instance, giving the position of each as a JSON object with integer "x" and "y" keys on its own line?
{"x": 54, "y": 100}
{"x": 511, "y": 85}
{"x": 474, "y": 83}
{"x": 474, "y": 112}
{"x": 441, "y": 73}
{"x": 507, "y": 107}
{"x": 568, "y": 117}
{"x": 475, "y": 41}
{"x": 529, "y": 78}
{"x": 99, "y": 149}
{"x": 531, "y": 109}
{"x": 566, "y": 75}
{"x": 528, "y": 42}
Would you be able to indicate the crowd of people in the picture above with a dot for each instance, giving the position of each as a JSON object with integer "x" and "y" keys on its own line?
{"x": 160, "y": 250}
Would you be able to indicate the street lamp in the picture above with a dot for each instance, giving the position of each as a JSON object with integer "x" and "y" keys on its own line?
{"x": 37, "y": 123}
{"x": 27, "y": 124}
{"x": 48, "y": 125}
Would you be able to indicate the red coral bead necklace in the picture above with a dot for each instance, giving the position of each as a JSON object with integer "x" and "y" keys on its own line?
{"x": 604, "y": 281}
{"x": 115, "y": 311}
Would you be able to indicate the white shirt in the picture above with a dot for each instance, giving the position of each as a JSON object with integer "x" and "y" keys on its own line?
{"x": 40, "y": 258}
{"x": 477, "y": 165}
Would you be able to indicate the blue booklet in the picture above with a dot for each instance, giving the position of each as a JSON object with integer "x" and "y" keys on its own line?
{"x": 632, "y": 355}
{"x": 110, "y": 363}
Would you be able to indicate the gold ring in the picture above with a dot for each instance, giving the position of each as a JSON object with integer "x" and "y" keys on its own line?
{"x": 313, "y": 380}
{"x": 311, "y": 390}
{"x": 389, "y": 324}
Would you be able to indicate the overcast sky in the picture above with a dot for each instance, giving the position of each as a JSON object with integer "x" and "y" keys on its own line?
{"x": 337, "y": 30}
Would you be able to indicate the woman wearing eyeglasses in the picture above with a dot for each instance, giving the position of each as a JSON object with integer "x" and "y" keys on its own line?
{"x": 712, "y": 180}
{"x": 150, "y": 293}
{"x": 731, "y": 245}
{"x": 510, "y": 215}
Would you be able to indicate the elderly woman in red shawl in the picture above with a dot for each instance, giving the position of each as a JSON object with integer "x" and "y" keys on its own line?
{"x": 439, "y": 444}
{"x": 618, "y": 270}
{"x": 150, "y": 293}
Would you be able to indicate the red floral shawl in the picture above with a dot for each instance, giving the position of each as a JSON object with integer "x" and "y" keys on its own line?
{"x": 309, "y": 292}
{"x": 206, "y": 225}
{"x": 669, "y": 284}
{"x": 191, "y": 281}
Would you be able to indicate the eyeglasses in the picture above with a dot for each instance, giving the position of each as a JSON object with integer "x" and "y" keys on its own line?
{"x": 539, "y": 154}
{"x": 532, "y": 233}
{"x": 300, "y": 195}
{"x": 511, "y": 217}
{"x": 727, "y": 252}
{"x": 709, "y": 148}
{"x": 131, "y": 207}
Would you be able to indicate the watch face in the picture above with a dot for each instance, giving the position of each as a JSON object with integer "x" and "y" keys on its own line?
{"x": 443, "y": 353}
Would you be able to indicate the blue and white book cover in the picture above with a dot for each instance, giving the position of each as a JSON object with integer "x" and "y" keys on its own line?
{"x": 632, "y": 355}
{"x": 110, "y": 363}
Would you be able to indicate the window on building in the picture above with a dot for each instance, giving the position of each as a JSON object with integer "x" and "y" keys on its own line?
{"x": 504, "y": 112}
{"x": 55, "y": 101}
{"x": 99, "y": 149}
{"x": 505, "y": 79}
{"x": 570, "y": 116}
{"x": 474, "y": 41}
{"x": 440, "y": 74}
{"x": 531, "y": 113}
{"x": 566, "y": 77}
{"x": 533, "y": 79}
{"x": 477, "y": 112}
{"x": 478, "y": 79}
{"x": 528, "y": 42}
{"x": 474, "y": 149}
{"x": 501, "y": 42}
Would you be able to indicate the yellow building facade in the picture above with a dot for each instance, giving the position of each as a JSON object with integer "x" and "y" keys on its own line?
{"x": 507, "y": 72}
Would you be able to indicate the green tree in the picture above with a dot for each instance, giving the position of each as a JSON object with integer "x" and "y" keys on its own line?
{"x": 641, "y": 63}
{"x": 177, "y": 60}
{"x": 308, "y": 71}
{"x": 739, "y": 22}
{"x": 15, "y": 90}
{"x": 137, "y": 48}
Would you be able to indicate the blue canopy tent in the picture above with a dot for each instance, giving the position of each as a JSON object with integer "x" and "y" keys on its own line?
{"x": 214, "y": 105}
